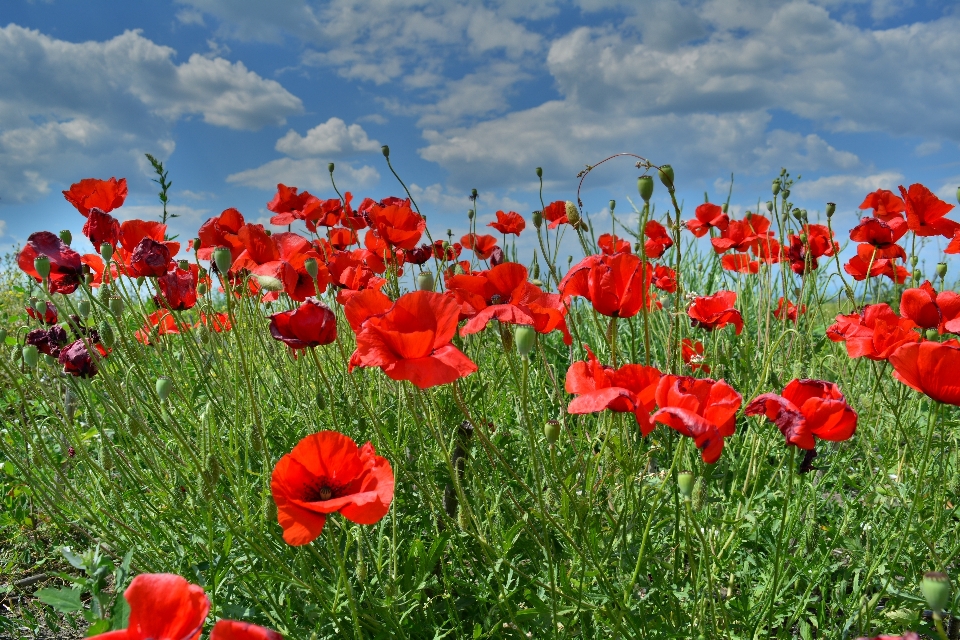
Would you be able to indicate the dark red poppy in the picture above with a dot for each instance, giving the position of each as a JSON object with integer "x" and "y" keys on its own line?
{"x": 885, "y": 204}
{"x": 510, "y": 222}
{"x": 411, "y": 340}
{"x": 482, "y": 246}
{"x": 49, "y": 315}
{"x": 857, "y": 267}
{"x": 665, "y": 278}
{"x": 329, "y": 212}
{"x": 879, "y": 239}
{"x": 929, "y": 309}
{"x": 419, "y": 255}
{"x": 875, "y": 334}
{"x": 397, "y": 224}
{"x": 925, "y": 212}
{"x": 48, "y": 341}
{"x": 930, "y": 368}
{"x": 702, "y": 409}
{"x": 786, "y": 310}
{"x": 617, "y": 285}
{"x": 611, "y": 244}
{"x": 291, "y": 206}
{"x": 65, "y": 265}
{"x": 91, "y": 193}
{"x": 150, "y": 259}
{"x": 692, "y": 353}
{"x": 739, "y": 262}
{"x": 629, "y": 389}
{"x": 221, "y": 231}
{"x": 658, "y": 241}
{"x": 157, "y": 324}
{"x": 132, "y": 235}
{"x": 743, "y": 235}
{"x": 807, "y": 409}
{"x": 708, "y": 216}
{"x": 102, "y": 228}
{"x": 178, "y": 289}
{"x": 556, "y": 214}
{"x": 327, "y": 473}
{"x": 312, "y": 324}
{"x": 716, "y": 311}
{"x": 77, "y": 361}
{"x": 277, "y": 262}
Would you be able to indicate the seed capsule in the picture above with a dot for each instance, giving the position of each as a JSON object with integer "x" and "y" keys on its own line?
{"x": 537, "y": 217}
{"x": 164, "y": 387}
{"x": 30, "y": 355}
{"x": 223, "y": 259}
{"x": 106, "y": 251}
{"x": 573, "y": 214}
{"x": 116, "y": 305}
{"x": 83, "y": 307}
{"x": 831, "y": 209}
{"x": 525, "y": 337}
{"x": 551, "y": 430}
{"x": 935, "y": 588}
{"x": 107, "y": 337}
{"x": 310, "y": 264}
{"x": 685, "y": 482}
{"x": 425, "y": 281}
{"x": 645, "y": 187}
{"x": 42, "y": 266}
{"x": 666, "y": 176}
{"x": 66, "y": 237}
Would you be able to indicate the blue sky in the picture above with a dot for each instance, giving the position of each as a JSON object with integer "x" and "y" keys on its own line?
{"x": 237, "y": 95}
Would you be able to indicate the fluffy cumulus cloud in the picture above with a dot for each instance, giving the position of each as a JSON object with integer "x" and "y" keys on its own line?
{"x": 70, "y": 108}
{"x": 333, "y": 138}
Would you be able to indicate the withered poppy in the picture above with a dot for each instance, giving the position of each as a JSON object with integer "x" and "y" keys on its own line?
{"x": 629, "y": 389}
{"x": 102, "y": 228}
{"x": 92, "y": 193}
{"x": 786, "y": 310}
{"x": 411, "y": 340}
{"x": 65, "y": 265}
{"x": 149, "y": 259}
{"x": 312, "y": 324}
{"x": 178, "y": 289}
{"x": 49, "y": 315}
{"x": 925, "y": 212}
{"x": 610, "y": 244}
{"x": 658, "y": 240}
{"x": 715, "y": 311}
{"x": 132, "y": 235}
{"x": 874, "y": 334}
{"x": 221, "y": 231}
{"x": 617, "y": 286}
{"x": 48, "y": 341}
{"x": 327, "y": 473}
{"x": 886, "y": 205}
{"x": 708, "y": 216}
{"x": 930, "y": 368}
{"x": 510, "y": 222}
{"x": 481, "y": 245}
{"x": 77, "y": 361}
{"x": 702, "y": 409}
{"x": 739, "y": 262}
{"x": 692, "y": 353}
{"x": 807, "y": 409}
{"x": 929, "y": 309}
{"x": 290, "y": 205}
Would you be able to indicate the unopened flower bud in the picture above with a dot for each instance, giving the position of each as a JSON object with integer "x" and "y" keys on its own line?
{"x": 107, "y": 337}
{"x": 958, "y": 194}
{"x": 685, "y": 482}
{"x": 524, "y": 337}
{"x": 39, "y": 306}
{"x": 184, "y": 265}
{"x": 573, "y": 214}
{"x": 116, "y": 305}
{"x": 831, "y": 209}
{"x": 42, "y": 266}
{"x": 473, "y": 194}
{"x": 268, "y": 232}
{"x": 48, "y": 359}
{"x": 425, "y": 281}
{"x": 913, "y": 261}
{"x": 470, "y": 214}
{"x": 30, "y": 355}
{"x": 385, "y": 150}
{"x": 775, "y": 187}
{"x": 942, "y": 270}
{"x": 88, "y": 279}
{"x": 535, "y": 271}
{"x": 201, "y": 288}
{"x": 66, "y": 237}
{"x": 645, "y": 187}
{"x": 223, "y": 259}
{"x": 917, "y": 275}
{"x": 321, "y": 400}
{"x": 83, "y": 308}
{"x": 537, "y": 282}
{"x": 935, "y": 588}
{"x": 196, "y": 244}
{"x": 540, "y": 175}
{"x": 551, "y": 430}
{"x": 106, "y": 251}
{"x": 310, "y": 264}
{"x": 331, "y": 167}
{"x": 666, "y": 176}
{"x": 164, "y": 387}
{"x": 724, "y": 207}
{"x": 537, "y": 217}
{"x": 770, "y": 205}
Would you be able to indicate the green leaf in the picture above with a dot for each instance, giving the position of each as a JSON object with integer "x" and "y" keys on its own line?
{"x": 100, "y": 626}
{"x": 119, "y": 614}
{"x": 64, "y": 600}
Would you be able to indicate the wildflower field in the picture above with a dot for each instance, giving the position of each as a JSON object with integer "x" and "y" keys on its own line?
{"x": 351, "y": 424}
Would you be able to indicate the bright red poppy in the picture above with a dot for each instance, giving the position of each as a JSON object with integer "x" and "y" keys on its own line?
{"x": 739, "y": 262}
{"x": 692, "y": 353}
{"x": 235, "y": 630}
{"x": 49, "y": 315}
{"x": 341, "y": 237}
{"x": 708, "y": 216}
{"x": 91, "y": 193}
{"x": 482, "y": 246}
{"x": 178, "y": 289}
{"x": 618, "y": 286}
{"x": 396, "y": 223}
{"x": 277, "y": 262}
{"x": 858, "y": 268}
{"x": 410, "y": 340}
{"x": 885, "y": 204}
{"x": 290, "y": 205}
{"x": 65, "y": 265}
{"x": 102, "y": 228}
{"x": 221, "y": 231}
{"x": 929, "y": 309}
{"x": 610, "y": 244}
{"x": 768, "y": 249}
{"x": 874, "y": 334}
{"x": 879, "y": 239}
{"x": 665, "y": 278}
{"x": 312, "y": 324}
{"x": 658, "y": 240}
{"x": 556, "y": 213}
{"x": 925, "y": 212}
{"x": 510, "y": 222}
{"x": 629, "y": 389}
{"x": 930, "y": 368}
{"x": 699, "y": 408}
{"x": 329, "y": 212}
{"x": 804, "y": 254}
{"x": 742, "y": 235}
{"x": 786, "y": 310}
{"x": 216, "y": 322}
{"x": 715, "y": 311}
{"x": 807, "y": 409}
{"x": 327, "y": 473}
{"x": 157, "y": 324}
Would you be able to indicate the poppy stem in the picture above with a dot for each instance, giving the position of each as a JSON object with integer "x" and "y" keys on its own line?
{"x": 780, "y": 538}
{"x": 326, "y": 383}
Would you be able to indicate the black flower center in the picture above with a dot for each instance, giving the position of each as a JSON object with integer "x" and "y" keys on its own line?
{"x": 320, "y": 492}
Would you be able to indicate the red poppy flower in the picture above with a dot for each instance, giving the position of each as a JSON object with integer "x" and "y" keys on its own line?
{"x": 786, "y": 310}
{"x": 708, "y": 216}
{"x": 742, "y": 235}
{"x": 482, "y": 246}
{"x": 49, "y": 315}
{"x": 65, "y": 265}
{"x": 702, "y": 409}
{"x": 234, "y": 630}
{"x": 716, "y": 311}
{"x": 102, "y": 228}
{"x": 885, "y": 204}
{"x": 665, "y": 278}
{"x": 132, "y": 235}
{"x": 150, "y": 259}
{"x": 930, "y": 368}
{"x": 629, "y": 389}
{"x": 510, "y": 222}
{"x": 356, "y": 270}
{"x": 163, "y": 606}
{"x": 91, "y": 193}
{"x": 397, "y": 224}
{"x": 618, "y": 286}
{"x": 329, "y": 212}
{"x": 411, "y": 340}
{"x": 692, "y": 353}
{"x": 768, "y": 249}
{"x": 420, "y": 255}
{"x": 77, "y": 361}
{"x": 221, "y": 231}
{"x": 803, "y": 254}
{"x": 556, "y": 214}
{"x": 277, "y": 262}
{"x": 610, "y": 244}
{"x": 158, "y": 323}
{"x": 929, "y": 309}
{"x": 312, "y": 324}
{"x": 739, "y": 262}
{"x": 178, "y": 289}
{"x": 341, "y": 237}
{"x": 658, "y": 241}
{"x": 925, "y": 212}
{"x": 503, "y": 293}
{"x": 290, "y": 206}
{"x": 448, "y": 254}
{"x": 48, "y": 341}
{"x": 216, "y": 322}
{"x": 875, "y": 335}
{"x": 325, "y": 473}
{"x": 879, "y": 239}
{"x": 857, "y": 267}
{"x": 805, "y": 409}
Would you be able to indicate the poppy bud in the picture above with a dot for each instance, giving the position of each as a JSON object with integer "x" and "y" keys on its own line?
{"x": 425, "y": 281}
{"x": 785, "y": 193}
{"x": 685, "y": 482}
{"x": 106, "y": 251}
{"x": 645, "y": 187}
{"x": 573, "y": 214}
{"x": 66, "y": 237}
{"x": 107, "y": 337}
{"x": 935, "y": 588}
{"x": 917, "y": 275}
{"x": 38, "y": 306}
{"x": 535, "y": 271}
{"x": 958, "y": 194}
{"x": 932, "y": 334}
{"x": 116, "y": 305}
{"x": 470, "y": 214}
{"x": 268, "y": 232}
{"x": 537, "y": 217}
{"x": 310, "y": 264}
{"x": 831, "y": 209}
{"x": 525, "y": 337}
{"x": 537, "y": 282}
{"x": 913, "y": 261}
{"x": 30, "y": 355}
{"x": 770, "y": 205}
{"x": 551, "y": 430}
{"x": 48, "y": 360}
{"x": 666, "y": 176}
{"x": 223, "y": 259}
{"x": 321, "y": 400}
{"x": 42, "y": 265}
{"x": 775, "y": 187}
{"x": 724, "y": 207}
{"x": 942, "y": 270}
{"x": 385, "y": 150}
{"x": 164, "y": 387}
{"x": 330, "y": 167}
{"x": 540, "y": 175}
{"x": 473, "y": 194}
{"x": 83, "y": 308}
{"x": 196, "y": 244}
{"x": 269, "y": 283}
{"x": 201, "y": 288}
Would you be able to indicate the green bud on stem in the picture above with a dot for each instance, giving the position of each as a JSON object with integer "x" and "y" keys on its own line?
{"x": 935, "y": 588}
{"x": 551, "y": 430}
{"x": 310, "y": 264}
{"x": 573, "y": 214}
{"x": 645, "y": 187}
{"x": 525, "y": 337}
{"x": 164, "y": 387}
{"x": 116, "y": 305}
{"x": 685, "y": 482}
{"x": 666, "y": 176}
{"x": 831, "y": 209}
{"x": 223, "y": 260}
{"x": 30, "y": 355}
{"x": 106, "y": 251}
{"x": 83, "y": 307}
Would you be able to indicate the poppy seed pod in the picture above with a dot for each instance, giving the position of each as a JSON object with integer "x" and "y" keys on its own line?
{"x": 201, "y": 288}
{"x": 913, "y": 261}
{"x": 525, "y": 337}
{"x": 685, "y": 482}
{"x": 613, "y": 205}
{"x": 537, "y": 217}
{"x": 140, "y": 281}
{"x": 196, "y": 244}
{"x": 48, "y": 360}
{"x": 942, "y": 270}
{"x": 537, "y": 282}
{"x": 222, "y": 259}
{"x": 935, "y": 588}
{"x": 958, "y": 194}
{"x": 310, "y": 264}
{"x": 42, "y": 266}
{"x": 66, "y": 237}
{"x": 551, "y": 430}
{"x": 183, "y": 265}
{"x": 106, "y": 251}
{"x": 330, "y": 167}
{"x": 770, "y": 205}
{"x": 917, "y": 275}
{"x": 107, "y": 337}
{"x": 38, "y": 305}
{"x": 203, "y": 333}
{"x": 473, "y": 194}
{"x": 540, "y": 175}
{"x": 785, "y": 193}
{"x": 932, "y": 334}
{"x": 30, "y": 355}
{"x": 164, "y": 387}
{"x": 645, "y": 187}
{"x": 83, "y": 307}
{"x": 321, "y": 400}
{"x": 116, "y": 305}
{"x": 666, "y": 176}
{"x": 385, "y": 150}
{"x": 425, "y": 281}
{"x": 775, "y": 187}
{"x": 470, "y": 214}
{"x": 831, "y": 209}
{"x": 573, "y": 214}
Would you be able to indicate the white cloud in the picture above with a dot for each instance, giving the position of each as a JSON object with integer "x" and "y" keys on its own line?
{"x": 308, "y": 173}
{"x": 927, "y": 148}
{"x": 332, "y": 137}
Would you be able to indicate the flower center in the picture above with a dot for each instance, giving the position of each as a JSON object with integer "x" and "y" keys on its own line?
{"x": 324, "y": 493}
{"x": 319, "y": 493}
